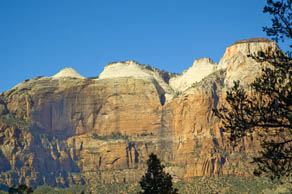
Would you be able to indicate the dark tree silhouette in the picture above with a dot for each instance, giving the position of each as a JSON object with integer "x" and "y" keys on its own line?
{"x": 281, "y": 28}
{"x": 265, "y": 108}
{"x": 21, "y": 189}
{"x": 155, "y": 179}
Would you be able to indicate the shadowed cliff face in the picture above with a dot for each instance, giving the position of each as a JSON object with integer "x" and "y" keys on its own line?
{"x": 68, "y": 129}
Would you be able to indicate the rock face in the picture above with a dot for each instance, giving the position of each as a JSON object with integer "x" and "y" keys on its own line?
{"x": 200, "y": 69}
{"x": 68, "y": 129}
{"x": 240, "y": 67}
{"x": 68, "y": 72}
{"x": 138, "y": 71}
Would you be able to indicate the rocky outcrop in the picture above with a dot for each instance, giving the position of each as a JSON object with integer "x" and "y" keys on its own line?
{"x": 68, "y": 72}
{"x": 68, "y": 129}
{"x": 200, "y": 69}
{"x": 136, "y": 70}
{"x": 240, "y": 67}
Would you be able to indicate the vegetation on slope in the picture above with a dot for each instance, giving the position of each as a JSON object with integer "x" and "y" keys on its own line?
{"x": 197, "y": 185}
{"x": 11, "y": 120}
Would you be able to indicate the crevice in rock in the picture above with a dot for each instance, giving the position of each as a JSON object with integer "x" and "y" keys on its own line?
{"x": 162, "y": 99}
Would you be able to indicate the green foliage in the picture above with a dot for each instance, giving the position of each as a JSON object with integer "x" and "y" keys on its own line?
{"x": 115, "y": 188}
{"x": 226, "y": 185}
{"x": 177, "y": 93}
{"x": 11, "y": 120}
{"x": 113, "y": 136}
{"x": 91, "y": 188}
{"x": 155, "y": 179}
{"x": 197, "y": 146}
{"x": 73, "y": 189}
{"x": 282, "y": 24}
{"x": 20, "y": 189}
{"x": 198, "y": 185}
{"x": 95, "y": 77}
{"x": 265, "y": 109}
{"x": 146, "y": 134}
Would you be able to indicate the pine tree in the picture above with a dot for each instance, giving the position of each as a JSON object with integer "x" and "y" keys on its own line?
{"x": 155, "y": 180}
{"x": 265, "y": 108}
{"x": 21, "y": 189}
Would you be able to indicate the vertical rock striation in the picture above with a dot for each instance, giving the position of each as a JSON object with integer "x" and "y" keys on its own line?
{"x": 67, "y": 129}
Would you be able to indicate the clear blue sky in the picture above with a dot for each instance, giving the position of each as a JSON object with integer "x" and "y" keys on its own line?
{"x": 40, "y": 37}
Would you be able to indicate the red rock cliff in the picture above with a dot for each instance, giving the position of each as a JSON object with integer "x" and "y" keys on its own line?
{"x": 68, "y": 129}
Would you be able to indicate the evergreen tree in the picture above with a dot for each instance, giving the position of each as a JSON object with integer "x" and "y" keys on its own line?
{"x": 21, "y": 189}
{"x": 265, "y": 108}
{"x": 155, "y": 180}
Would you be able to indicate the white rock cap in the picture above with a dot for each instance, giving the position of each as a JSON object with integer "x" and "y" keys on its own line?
{"x": 68, "y": 72}
{"x": 133, "y": 69}
{"x": 124, "y": 69}
{"x": 200, "y": 69}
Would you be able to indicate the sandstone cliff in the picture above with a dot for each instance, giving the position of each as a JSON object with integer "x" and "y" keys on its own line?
{"x": 240, "y": 67}
{"x": 200, "y": 69}
{"x": 68, "y": 129}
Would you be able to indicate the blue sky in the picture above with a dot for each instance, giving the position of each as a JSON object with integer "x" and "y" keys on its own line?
{"x": 40, "y": 37}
